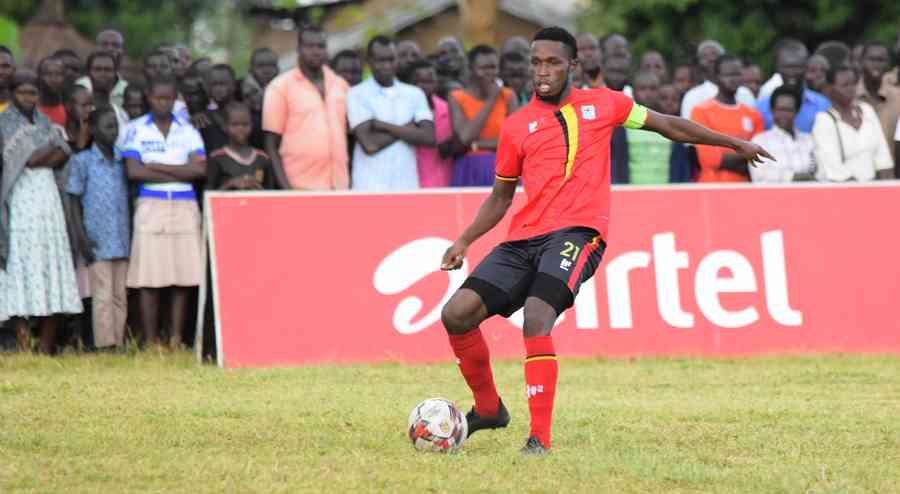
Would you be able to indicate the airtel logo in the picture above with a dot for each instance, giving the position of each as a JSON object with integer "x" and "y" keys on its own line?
{"x": 414, "y": 261}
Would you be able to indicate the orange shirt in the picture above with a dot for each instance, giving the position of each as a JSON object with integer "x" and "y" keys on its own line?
{"x": 313, "y": 129}
{"x": 737, "y": 120}
{"x": 471, "y": 106}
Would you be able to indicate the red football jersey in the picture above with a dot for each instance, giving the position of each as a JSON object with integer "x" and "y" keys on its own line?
{"x": 562, "y": 154}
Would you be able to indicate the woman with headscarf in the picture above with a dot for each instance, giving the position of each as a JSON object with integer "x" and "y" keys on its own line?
{"x": 37, "y": 276}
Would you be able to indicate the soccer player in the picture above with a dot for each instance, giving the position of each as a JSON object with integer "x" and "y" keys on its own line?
{"x": 559, "y": 147}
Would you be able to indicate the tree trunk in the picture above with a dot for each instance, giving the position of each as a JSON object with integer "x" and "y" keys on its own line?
{"x": 479, "y": 19}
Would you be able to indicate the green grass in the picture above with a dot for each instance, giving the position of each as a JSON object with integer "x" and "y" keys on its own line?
{"x": 156, "y": 422}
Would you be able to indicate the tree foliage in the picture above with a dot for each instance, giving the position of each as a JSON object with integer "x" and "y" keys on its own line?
{"x": 675, "y": 27}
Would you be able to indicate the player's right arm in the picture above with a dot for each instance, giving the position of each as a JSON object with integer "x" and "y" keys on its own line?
{"x": 683, "y": 130}
{"x": 491, "y": 212}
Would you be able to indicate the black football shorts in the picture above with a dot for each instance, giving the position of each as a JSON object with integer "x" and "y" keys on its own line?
{"x": 551, "y": 267}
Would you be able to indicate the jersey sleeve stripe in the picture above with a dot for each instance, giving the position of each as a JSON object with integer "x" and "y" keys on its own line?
{"x": 507, "y": 179}
{"x": 637, "y": 118}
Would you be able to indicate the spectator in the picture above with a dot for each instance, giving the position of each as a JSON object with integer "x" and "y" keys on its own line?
{"x": 348, "y": 64}
{"x": 435, "y": 163}
{"x": 516, "y": 44}
{"x": 74, "y": 67}
{"x": 590, "y": 59}
{"x": 157, "y": 64}
{"x": 684, "y": 80}
{"x": 451, "y": 66}
{"x": 7, "y": 69}
{"x": 193, "y": 89}
{"x": 654, "y": 62}
{"x": 37, "y": 278}
{"x": 51, "y": 82}
{"x": 201, "y": 67}
{"x": 220, "y": 84}
{"x": 408, "y": 51}
{"x": 616, "y": 45}
{"x": 103, "y": 81}
{"x": 814, "y": 76}
{"x": 751, "y": 77}
{"x": 615, "y": 71}
{"x": 388, "y": 118}
{"x": 98, "y": 185}
{"x": 108, "y": 41}
{"x": 836, "y": 52}
{"x": 304, "y": 117}
{"x": 477, "y": 113}
{"x": 76, "y": 131}
{"x": 180, "y": 66}
{"x": 164, "y": 154}
{"x": 263, "y": 68}
{"x": 875, "y": 61}
{"x": 856, "y": 55}
{"x": 707, "y": 54}
{"x": 515, "y": 72}
{"x": 682, "y": 158}
{"x": 849, "y": 142}
{"x": 112, "y": 41}
{"x": 790, "y": 66}
{"x": 183, "y": 55}
{"x": 253, "y": 98}
{"x": 727, "y": 115}
{"x": 134, "y": 102}
{"x": 793, "y": 150}
{"x": 238, "y": 165}
{"x": 648, "y": 152}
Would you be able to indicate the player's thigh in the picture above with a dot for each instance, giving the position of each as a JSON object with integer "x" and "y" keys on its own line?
{"x": 503, "y": 278}
{"x": 567, "y": 259}
{"x": 539, "y": 317}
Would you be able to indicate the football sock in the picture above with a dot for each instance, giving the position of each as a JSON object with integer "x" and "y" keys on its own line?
{"x": 541, "y": 370}
{"x": 475, "y": 365}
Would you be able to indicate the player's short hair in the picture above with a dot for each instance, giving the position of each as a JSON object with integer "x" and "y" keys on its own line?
{"x": 832, "y": 72}
{"x": 556, "y": 33}
{"x": 307, "y": 28}
{"x": 722, "y": 60}
{"x": 380, "y": 40}
{"x": 480, "y": 50}
{"x": 711, "y": 43}
{"x": 512, "y": 57}
{"x": 101, "y": 54}
{"x": 795, "y": 92}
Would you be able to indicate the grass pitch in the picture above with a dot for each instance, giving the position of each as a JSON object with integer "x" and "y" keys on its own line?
{"x": 158, "y": 422}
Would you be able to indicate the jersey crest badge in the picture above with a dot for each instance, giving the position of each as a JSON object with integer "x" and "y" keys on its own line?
{"x": 532, "y": 127}
{"x": 588, "y": 112}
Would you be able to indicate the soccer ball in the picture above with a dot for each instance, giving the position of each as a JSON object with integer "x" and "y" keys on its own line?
{"x": 437, "y": 425}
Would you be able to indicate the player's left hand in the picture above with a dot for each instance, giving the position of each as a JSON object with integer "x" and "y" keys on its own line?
{"x": 752, "y": 152}
{"x": 453, "y": 257}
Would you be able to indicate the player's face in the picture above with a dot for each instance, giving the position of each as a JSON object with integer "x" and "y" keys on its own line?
{"x": 550, "y": 64}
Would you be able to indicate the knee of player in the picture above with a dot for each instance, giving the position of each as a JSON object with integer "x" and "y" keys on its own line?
{"x": 454, "y": 318}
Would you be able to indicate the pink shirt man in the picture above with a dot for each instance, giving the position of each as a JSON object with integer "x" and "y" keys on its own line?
{"x": 313, "y": 129}
{"x": 435, "y": 171}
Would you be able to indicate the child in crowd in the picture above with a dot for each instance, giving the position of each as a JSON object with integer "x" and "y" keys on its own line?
{"x": 238, "y": 165}
{"x": 135, "y": 104}
{"x": 99, "y": 186}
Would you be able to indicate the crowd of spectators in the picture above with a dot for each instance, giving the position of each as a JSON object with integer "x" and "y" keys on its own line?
{"x": 101, "y": 177}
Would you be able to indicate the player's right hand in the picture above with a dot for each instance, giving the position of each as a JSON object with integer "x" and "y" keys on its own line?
{"x": 453, "y": 257}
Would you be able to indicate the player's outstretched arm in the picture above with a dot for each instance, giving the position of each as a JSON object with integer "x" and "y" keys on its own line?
{"x": 683, "y": 130}
{"x": 492, "y": 210}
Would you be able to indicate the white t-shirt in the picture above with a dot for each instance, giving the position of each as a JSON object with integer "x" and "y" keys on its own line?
{"x": 709, "y": 90}
{"x": 793, "y": 155}
{"x": 845, "y": 153}
{"x": 145, "y": 143}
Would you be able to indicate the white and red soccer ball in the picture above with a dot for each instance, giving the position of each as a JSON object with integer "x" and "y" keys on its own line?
{"x": 437, "y": 425}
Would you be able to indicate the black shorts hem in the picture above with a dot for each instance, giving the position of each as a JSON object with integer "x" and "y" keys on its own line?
{"x": 553, "y": 291}
{"x": 494, "y": 298}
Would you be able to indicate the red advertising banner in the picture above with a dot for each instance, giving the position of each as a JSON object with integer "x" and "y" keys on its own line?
{"x": 305, "y": 278}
